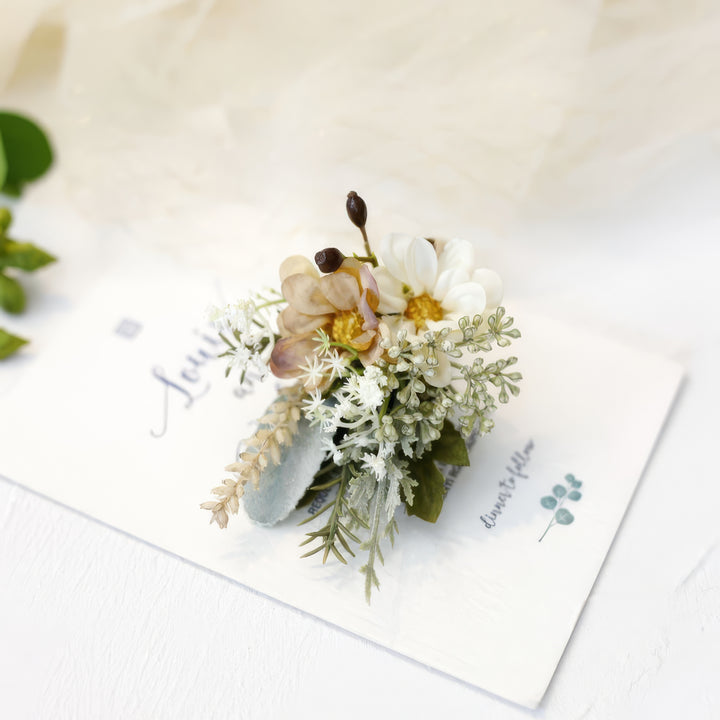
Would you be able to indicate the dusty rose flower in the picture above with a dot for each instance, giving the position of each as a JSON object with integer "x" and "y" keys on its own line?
{"x": 342, "y": 303}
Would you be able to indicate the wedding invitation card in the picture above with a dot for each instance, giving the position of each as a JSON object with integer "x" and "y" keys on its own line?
{"x": 127, "y": 416}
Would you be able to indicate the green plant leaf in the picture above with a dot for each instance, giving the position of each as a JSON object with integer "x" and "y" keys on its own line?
{"x": 23, "y": 255}
{"x": 9, "y": 344}
{"x": 12, "y": 296}
{"x": 3, "y": 163}
{"x": 574, "y": 495}
{"x": 5, "y": 220}
{"x": 564, "y": 517}
{"x": 430, "y": 490}
{"x": 450, "y": 448}
{"x": 559, "y": 491}
{"x": 28, "y": 154}
{"x": 548, "y": 502}
{"x": 572, "y": 481}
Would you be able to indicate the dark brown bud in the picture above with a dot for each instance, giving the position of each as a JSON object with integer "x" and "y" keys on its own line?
{"x": 329, "y": 259}
{"x": 356, "y": 209}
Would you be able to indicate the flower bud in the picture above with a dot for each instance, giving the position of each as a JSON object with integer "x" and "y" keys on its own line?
{"x": 356, "y": 209}
{"x": 329, "y": 259}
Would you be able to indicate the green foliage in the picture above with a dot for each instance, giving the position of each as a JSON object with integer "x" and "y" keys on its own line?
{"x": 3, "y": 163}
{"x": 27, "y": 154}
{"x": 19, "y": 256}
{"x": 414, "y": 420}
{"x": 9, "y": 344}
{"x": 450, "y": 448}
{"x": 23, "y": 255}
{"x": 12, "y": 296}
{"x": 335, "y": 531}
{"x": 561, "y": 515}
{"x": 429, "y": 493}
{"x": 378, "y": 529}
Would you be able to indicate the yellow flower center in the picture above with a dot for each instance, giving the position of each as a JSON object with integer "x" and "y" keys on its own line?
{"x": 423, "y": 308}
{"x": 346, "y": 325}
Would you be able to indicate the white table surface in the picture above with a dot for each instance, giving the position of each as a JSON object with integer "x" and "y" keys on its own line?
{"x": 97, "y": 624}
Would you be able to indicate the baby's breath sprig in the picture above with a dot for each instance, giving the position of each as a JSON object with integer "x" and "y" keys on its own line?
{"x": 247, "y": 328}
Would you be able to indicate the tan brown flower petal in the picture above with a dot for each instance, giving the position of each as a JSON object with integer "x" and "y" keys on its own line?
{"x": 341, "y": 289}
{"x": 343, "y": 303}
{"x": 304, "y": 293}
{"x": 297, "y": 264}
{"x": 291, "y": 352}
{"x": 292, "y": 322}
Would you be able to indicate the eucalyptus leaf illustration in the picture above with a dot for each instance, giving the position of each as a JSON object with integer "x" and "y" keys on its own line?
{"x": 572, "y": 481}
{"x": 555, "y": 502}
{"x": 564, "y": 517}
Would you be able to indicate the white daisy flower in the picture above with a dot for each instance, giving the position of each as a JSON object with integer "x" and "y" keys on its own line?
{"x": 430, "y": 285}
{"x": 433, "y": 284}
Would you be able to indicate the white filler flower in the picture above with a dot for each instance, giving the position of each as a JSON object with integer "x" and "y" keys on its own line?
{"x": 433, "y": 284}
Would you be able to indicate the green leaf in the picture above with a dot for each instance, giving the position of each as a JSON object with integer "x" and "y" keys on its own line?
{"x": 9, "y": 344}
{"x": 564, "y": 517}
{"x": 572, "y": 481}
{"x": 5, "y": 220}
{"x": 27, "y": 151}
{"x": 574, "y": 495}
{"x": 450, "y": 448}
{"x": 12, "y": 296}
{"x": 23, "y": 255}
{"x": 559, "y": 491}
{"x": 548, "y": 502}
{"x": 430, "y": 490}
{"x": 3, "y": 163}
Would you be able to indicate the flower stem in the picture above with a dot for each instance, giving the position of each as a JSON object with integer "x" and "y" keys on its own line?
{"x": 351, "y": 350}
{"x": 267, "y": 303}
{"x": 368, "y": 251}
{"x": 370, "y": 257}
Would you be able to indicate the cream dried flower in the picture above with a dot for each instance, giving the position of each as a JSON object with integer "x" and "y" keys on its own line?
{"x": 342, "y": 303}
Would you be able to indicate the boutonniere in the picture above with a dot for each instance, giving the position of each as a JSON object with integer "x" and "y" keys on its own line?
{"x": 385, "y": 372}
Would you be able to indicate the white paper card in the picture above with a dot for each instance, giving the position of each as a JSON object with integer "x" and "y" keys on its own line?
{"x": 129, "y": 419}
